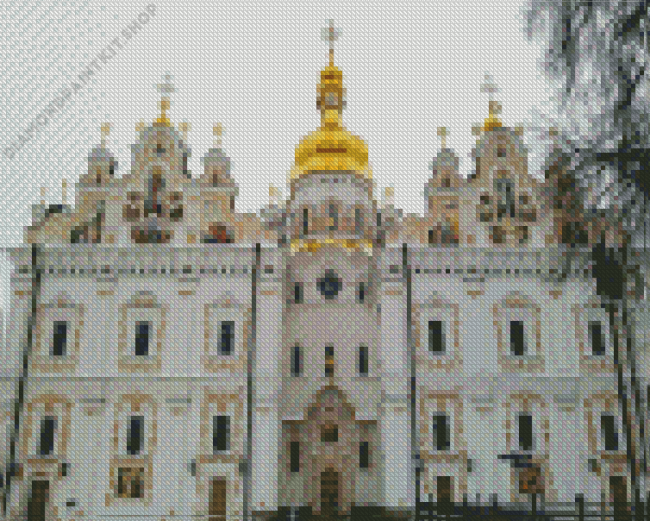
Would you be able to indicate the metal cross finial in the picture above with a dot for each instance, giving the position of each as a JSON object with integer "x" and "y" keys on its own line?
{"x": 217, "y": 131}
{"x": 105, "y": 132}
{"x": 442, "y": 134}
{"x": 167, "y": 87}
{"x": 489, "y": 86}
{"x": 331, "y": 34}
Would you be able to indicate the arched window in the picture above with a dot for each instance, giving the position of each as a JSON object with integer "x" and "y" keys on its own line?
{"x": 505, "y": 192}
{"x": 218, "y": 234}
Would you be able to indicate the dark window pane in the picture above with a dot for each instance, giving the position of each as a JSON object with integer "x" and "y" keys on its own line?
{"x": 441, "y": 432}
{"x": 305, "y": 221}
{"x": 525, "y": 432}
{"x": 517, "y": 337}
{"x": 329, "y": 433}
{"x": 363, "y": 455}
{"x": 436, "y": 337}
{"x": 330, "y": 285}
{"x": 334, "y": 218}
{"x": 329, "y": 360}
{"x": 48, "y": 426}
{"x": 221, "y": 433}
{"x": 362, "y": 292}
{"x": 358, "y": 221}
{"x": 60, "y": 338}
{"x": 227, "y": 338}
{"x": 610, "y": 435}
{"x": 134, "y": 435}
{"x": 597, "y": 339}
{"x": 363, "y": 360}
{"x": 295, "y": 456}
{"x": 295, "y": 361}
{"x": 142, "y": 331}
{"x": 297, "y": 293}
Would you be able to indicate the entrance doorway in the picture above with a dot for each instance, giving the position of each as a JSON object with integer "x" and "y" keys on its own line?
{"x": 217, "y": 509}
{"x": 444, "y": 494}
{"x": 37, "y": 505}
{"x": 618, "y": 496}
{"x": 329, "y": 492}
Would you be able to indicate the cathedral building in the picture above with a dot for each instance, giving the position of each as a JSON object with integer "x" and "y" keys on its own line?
{"x": 170, "y": 357}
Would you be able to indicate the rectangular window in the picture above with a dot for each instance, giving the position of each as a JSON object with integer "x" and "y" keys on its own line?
{"x": 596, "y": 339}
{"x": 436, "y": 337}
{"x": 226, "y": 338}
{"x": 329, "y": 361}
{"x": 297, "y": 293}
{"x": 130, "y": 483}
{"x": 305, "y": 221}
{"x": 517, "y": 337}
{"x": 334, "y": 218}
{"x": 48, "y": 427}
{"x": 363, "y": 360}
{"x": 135, "y": 435}
{"x": 296, "y": 362}
{"x": 525, "y": 432}
{"x": 329, "y": 434}
{"x": 364, "y": 454}
{"x": 142, "y": 331}
{"x": 361, "y": 293}
{"x": 430, "y": 236}
{"x": 59, "y": 338}
{"x": 358, "y": 221}
{"x": 440, "y": 432}
{"x": 608, "y": 428}
{"x": 295, "y": 456}
{"x": 221, "y": 433}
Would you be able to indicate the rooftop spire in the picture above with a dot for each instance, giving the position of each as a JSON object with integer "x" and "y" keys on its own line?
{"x": 105, "y": 132}
{"x": 165, "y": 89}
{"x": 442, "y": 134}
{"x": 217, "y": 132}
{"x": 490, "y": 87}
{"x": 331, "y": 34}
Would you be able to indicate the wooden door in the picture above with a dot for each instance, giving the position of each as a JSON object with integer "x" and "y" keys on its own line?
{"x": 618, "y": 496}
{"x": 329, "y": 493}
{"x": 444, "y": 494}
{"x": 38, "y": 499}
{"x": 217, "y": 510}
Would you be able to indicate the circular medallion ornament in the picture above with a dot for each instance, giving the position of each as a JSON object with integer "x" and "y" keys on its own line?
{"x": 330, "y": 285}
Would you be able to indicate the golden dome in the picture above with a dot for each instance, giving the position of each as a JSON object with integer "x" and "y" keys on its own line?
{"x": 331, "y": 147}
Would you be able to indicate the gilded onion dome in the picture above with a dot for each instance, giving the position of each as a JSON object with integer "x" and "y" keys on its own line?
{"x": 331, "y": 147}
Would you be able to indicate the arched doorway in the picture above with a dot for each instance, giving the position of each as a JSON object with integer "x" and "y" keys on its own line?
{"x": 329, "y": 492}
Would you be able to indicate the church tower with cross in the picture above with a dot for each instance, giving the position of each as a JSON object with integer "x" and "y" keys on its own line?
{"x": 327, "y": 355}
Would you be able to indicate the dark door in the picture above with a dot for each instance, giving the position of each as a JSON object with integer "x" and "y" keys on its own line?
{"x": 618, "y": 496}
{"x": 329, "y": 491}
{"x": 444, "y": 494}
{"x": 38, "y": 500}
{"x": 217, "y": 510}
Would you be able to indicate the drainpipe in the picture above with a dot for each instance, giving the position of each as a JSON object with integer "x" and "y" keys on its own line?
{"x": 24, "y": 373}
{"x": 248, "y": 476}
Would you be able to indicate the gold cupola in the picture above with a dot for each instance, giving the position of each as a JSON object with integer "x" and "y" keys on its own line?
{"x": 331, "y": 147}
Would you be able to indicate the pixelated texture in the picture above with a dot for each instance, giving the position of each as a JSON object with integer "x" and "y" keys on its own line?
{"x": 169, "y": 356}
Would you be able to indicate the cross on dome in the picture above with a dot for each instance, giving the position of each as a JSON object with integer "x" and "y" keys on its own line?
{"x": 105, "y": 132}
{"x": 217, "y": 132}
{"x": 489, "y": 86}
{"x": 165, "y": 89}
{"x": 331, "y": 34}
{"x": 443, "y": 132}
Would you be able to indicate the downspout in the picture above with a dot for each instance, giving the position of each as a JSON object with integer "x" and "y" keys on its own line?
{"x": 415, "y": 452}
{"x": 248, "y": 476}
{"x": 24, "y": 374}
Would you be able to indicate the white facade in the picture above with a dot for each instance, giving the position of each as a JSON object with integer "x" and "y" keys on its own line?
{"x": 334, "y": 324}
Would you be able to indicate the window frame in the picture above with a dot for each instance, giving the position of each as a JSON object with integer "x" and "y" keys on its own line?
{"x": 435, "y": 435}
{"x": 216, "y": 432}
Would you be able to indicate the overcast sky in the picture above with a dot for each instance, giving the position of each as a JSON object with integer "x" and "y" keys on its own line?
{"x": 254, "y": 68}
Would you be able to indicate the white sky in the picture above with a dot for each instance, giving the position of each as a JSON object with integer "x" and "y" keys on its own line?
{"x": 254, "y": 67}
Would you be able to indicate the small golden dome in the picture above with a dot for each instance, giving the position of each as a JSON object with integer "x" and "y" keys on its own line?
{"x": 331, "y": 147}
